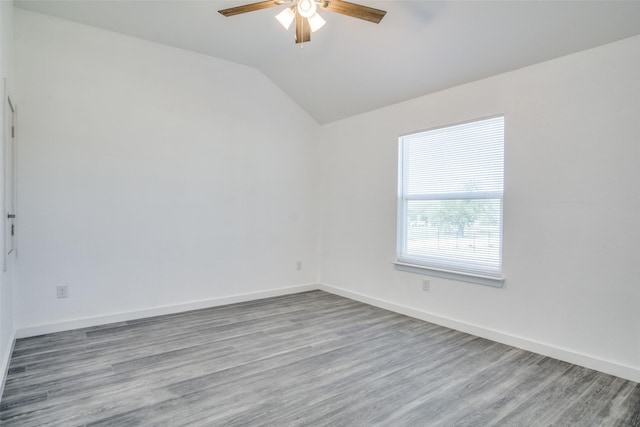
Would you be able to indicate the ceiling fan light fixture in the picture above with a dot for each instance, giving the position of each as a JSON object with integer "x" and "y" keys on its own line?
{"x": 307, "y": 8}
{"x": 316, "y": 22}
{"x": 285, "y": 18}
{"x": 303, "y": 12}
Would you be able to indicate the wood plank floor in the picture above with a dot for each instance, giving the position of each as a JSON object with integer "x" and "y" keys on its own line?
{"x": 311, "y": 359}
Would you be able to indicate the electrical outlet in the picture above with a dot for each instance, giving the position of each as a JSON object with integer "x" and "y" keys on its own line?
{"x": 299, "y": 265}
{"x": 426, "y": 285}
{"x": 62, "y": 291}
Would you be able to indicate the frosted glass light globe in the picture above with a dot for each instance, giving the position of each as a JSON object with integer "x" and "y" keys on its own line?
{"x": 306, "y": 8}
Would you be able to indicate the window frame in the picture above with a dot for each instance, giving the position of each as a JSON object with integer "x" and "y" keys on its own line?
{"x": 433, "y": 265}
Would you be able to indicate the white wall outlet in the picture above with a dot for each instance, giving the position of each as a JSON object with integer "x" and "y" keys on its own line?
{"x": 426, "y": 285}
{"x": 299, "y": 265}
{"x": 62, "y": 291}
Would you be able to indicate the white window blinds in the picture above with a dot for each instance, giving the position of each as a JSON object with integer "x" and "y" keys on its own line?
{"x": 450, "y": 198}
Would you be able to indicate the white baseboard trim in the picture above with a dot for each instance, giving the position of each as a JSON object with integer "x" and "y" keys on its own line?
{"x": 608, "y": 367}
{"x": 4, "y": 368}
{"x": 85, "y": 322}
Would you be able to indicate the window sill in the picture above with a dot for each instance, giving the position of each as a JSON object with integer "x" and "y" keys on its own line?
{"x": 496, "y": 282}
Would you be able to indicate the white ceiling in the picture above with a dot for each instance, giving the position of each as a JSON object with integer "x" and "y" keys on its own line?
{"x": 352, "y": 66}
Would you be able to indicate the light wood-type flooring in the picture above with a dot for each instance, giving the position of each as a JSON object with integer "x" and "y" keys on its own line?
{"x": 309, "y": 359}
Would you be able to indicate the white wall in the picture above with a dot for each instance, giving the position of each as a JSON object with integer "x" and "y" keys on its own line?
{"x": 572, "y": 206}
{"x": 151, "y": 176}
{"x": 6, "y": 278}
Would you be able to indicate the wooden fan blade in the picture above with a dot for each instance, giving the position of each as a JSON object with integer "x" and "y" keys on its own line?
{"x": 355, "y": 10}
{"x": 250, "y": 7}
{"x": 303, "y": 29}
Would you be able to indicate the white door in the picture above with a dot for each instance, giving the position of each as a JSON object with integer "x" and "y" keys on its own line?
{"x": 9, "y": 187}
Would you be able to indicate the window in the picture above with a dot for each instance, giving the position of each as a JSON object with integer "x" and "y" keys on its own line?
{"x": 450, "y": 189}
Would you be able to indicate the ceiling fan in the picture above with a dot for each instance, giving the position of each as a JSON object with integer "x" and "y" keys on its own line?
{"x": 305, "y": 13}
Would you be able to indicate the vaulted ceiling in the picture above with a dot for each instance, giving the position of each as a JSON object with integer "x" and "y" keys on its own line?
{"x": 352, "y": 66}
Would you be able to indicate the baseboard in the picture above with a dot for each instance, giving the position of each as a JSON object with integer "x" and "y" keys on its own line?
{"x": 157, "y": 311}
{"x": 608, "y": 367}
{"x": 4, "y": 368}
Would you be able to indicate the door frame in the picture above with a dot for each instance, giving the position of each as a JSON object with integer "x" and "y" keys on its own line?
{"x": 8, "y": 176}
